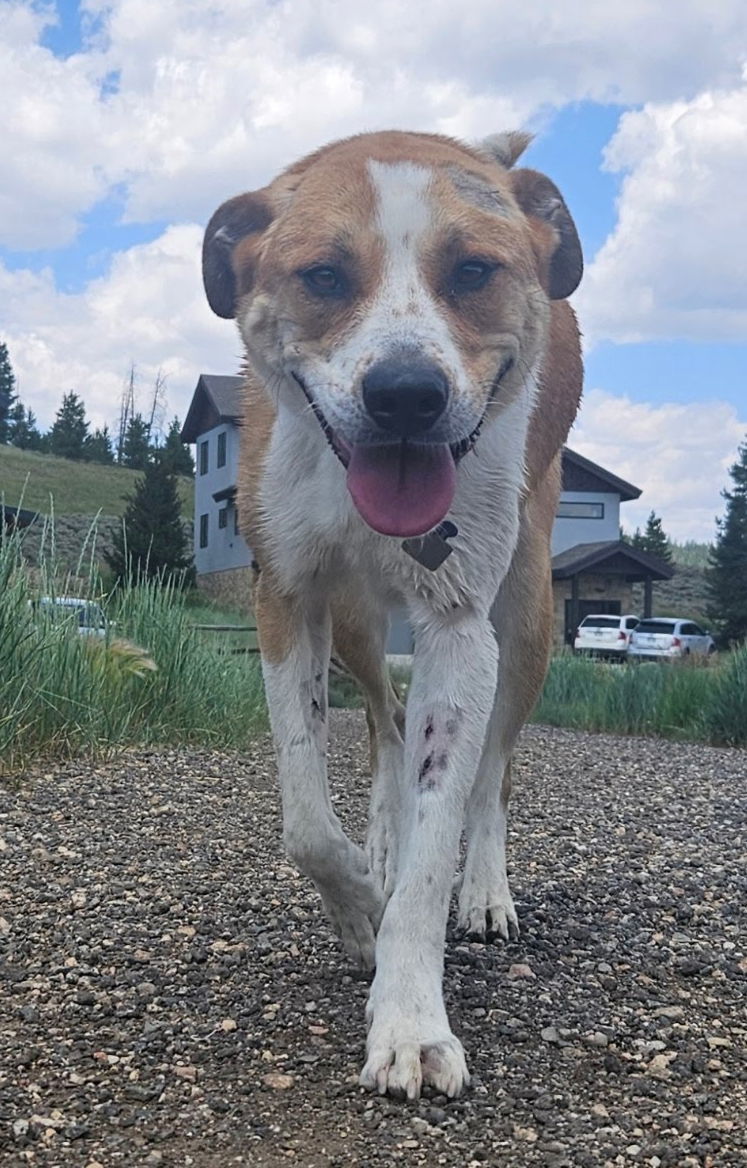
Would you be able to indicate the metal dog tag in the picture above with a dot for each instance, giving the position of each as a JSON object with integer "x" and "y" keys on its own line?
{"x": 432, "y": 549}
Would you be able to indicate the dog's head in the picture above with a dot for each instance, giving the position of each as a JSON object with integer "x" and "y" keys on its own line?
{"x": 401, "y": 282}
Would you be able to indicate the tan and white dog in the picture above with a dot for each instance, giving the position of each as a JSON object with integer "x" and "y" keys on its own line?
{"x": 412, "y": 373}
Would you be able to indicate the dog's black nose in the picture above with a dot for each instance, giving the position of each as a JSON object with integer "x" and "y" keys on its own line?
{"x": 405, "y": 398}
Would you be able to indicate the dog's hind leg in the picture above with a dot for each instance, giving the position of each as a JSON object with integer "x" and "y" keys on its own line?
{"x": 359, "y": 632}
{"x": 523, "y": 617}
{"x": 295, "y": 638}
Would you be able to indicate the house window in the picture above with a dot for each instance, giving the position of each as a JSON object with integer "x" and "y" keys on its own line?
{"x": 203, "y": 531}
{"x": 568, "y": 510}
{"x": 221, "y": 461}
{"x": 204, "y": 457}
{"x": 223, "y": 517}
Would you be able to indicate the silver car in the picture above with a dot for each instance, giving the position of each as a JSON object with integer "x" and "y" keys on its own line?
{"x": 604, "y": 634}
{"x": 669, "y": 637}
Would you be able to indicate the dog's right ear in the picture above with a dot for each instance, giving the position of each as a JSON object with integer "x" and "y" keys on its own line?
{"x": 242, "y": 216}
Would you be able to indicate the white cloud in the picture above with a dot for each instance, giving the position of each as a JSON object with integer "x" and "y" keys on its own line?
{"x": 675, "y": 264}
{"x": 52, "y": 136}
{"x": 214, "y": 97}
{"x": 679, "y": 455}
{"x": 149, "y": 308}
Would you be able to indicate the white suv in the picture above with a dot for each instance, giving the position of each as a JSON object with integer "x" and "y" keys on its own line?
{"x": 605, "y": 634}
{"x": 667, "y": 636}
{"x": 85, "y": 615}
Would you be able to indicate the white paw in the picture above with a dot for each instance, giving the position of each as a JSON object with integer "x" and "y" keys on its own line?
{"x": 356, "y": 918}
{"x": 486, "y": 910}
{"x": 402, "y": 1067}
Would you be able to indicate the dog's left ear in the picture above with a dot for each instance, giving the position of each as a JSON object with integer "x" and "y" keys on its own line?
{"x": 541, "y": 200}
{"x": 233, "y": 222}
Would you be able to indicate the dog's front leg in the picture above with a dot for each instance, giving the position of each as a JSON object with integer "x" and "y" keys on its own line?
{"x": 295, "y": 639}
{"x": 454, "y": 677}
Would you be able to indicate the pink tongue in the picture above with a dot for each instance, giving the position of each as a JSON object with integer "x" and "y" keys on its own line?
{"x": 402, "y": 492}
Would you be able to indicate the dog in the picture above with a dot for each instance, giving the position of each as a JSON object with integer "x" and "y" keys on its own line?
{"x": 412, "y": 371}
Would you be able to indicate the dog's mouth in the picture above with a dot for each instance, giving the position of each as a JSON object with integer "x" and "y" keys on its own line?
{"x": 402, "y": 488}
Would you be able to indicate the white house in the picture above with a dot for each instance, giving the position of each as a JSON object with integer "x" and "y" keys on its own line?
{"x": 593, "y": 570}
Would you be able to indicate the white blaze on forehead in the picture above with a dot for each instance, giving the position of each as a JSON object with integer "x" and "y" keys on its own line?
{"x": 403, "y": 207}
{"x": 405, "y": 308}
{"x": 406, "y": 312}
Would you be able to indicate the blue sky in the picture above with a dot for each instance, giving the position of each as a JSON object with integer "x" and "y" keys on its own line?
{"x": 127, "y": 123}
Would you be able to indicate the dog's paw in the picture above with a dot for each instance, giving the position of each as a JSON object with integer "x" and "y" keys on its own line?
{"x": 401, "y": 1067}
{"x": 356, "y": 923}
{"x": 487, "y": 912}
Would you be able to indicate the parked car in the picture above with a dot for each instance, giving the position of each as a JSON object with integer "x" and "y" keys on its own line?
{"x": 87, "y": 615}
{"x": 669, "y": 637}
{"x": 604, "y": 634}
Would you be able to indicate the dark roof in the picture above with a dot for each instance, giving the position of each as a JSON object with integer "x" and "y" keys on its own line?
{"x": 17, "y": 516}
{"x": 581, "y": 474}
{"x": 610, "y": 558}
{"x": 216, "y": 399}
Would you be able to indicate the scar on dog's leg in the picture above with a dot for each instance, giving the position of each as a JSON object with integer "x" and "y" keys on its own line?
{"x": 295, "y": 637}
{"x": 523, "y": 616}
{"x": 359, "y": 633}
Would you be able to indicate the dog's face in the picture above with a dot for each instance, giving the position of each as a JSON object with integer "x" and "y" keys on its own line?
{"x": 402, "y": 282}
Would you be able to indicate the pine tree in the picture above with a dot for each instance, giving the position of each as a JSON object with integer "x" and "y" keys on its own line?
{"x": 7, "y": 393}
{"x": 99, "y": 447}
{"x": 23, "y": 429}
{"x": 176, "y": 453}
{"x": 726, "y": 575}
{"x": 68, "y": 435}
{"x": 136, "y": 447}
{"x": 152, "y": 541}
{"x": 653, "y": 539}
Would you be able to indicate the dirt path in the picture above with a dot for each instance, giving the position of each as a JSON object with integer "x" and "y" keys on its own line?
{"x": 171, "y": 993}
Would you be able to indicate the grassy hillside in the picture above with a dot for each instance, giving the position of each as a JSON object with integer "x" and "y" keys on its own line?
{"x": 78, "y": 488}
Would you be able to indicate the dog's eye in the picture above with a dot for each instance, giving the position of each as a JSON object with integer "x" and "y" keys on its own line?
{"x": 471, "y": 275}
{"x": 324, "y": 280}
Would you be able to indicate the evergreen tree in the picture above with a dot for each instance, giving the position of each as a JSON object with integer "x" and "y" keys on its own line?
{"x": 653, "y": 539}
{"x": 136, "y": 449}
{"x": 176, "y": 453}
{"x": 152, "y": 541}
{"x": 68, "y": 435}
{"x": 7, "y": 393}
{"x": 726, "y": 575}
{"x": 23, "y": 429}
{"x": 99, "y": 447}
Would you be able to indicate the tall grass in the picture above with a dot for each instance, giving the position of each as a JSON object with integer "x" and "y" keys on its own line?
{"x": 150, "y": 680}
{"x": 692, "y": 702}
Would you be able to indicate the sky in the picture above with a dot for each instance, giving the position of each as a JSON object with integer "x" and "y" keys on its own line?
{"x": 127, "y": 122}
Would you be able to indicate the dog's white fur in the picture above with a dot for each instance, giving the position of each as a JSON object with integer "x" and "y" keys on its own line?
{"x": 389, "y": 904}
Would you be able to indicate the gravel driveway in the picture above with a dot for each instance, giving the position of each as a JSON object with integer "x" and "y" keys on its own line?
{"x": 172, "y": 994}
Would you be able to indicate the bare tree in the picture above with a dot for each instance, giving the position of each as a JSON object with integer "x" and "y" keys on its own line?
{"x": 126, "y": 411}
{"x": 157, "y": 405}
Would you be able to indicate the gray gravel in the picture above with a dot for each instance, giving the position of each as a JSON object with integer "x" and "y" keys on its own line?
{"x": 172, "y": 994}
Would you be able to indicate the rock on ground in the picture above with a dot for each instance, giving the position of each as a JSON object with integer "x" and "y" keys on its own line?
{"x": 171, "y": 993}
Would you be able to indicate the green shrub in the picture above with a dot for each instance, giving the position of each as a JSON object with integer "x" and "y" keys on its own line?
{"x": 704, "y": 701}
{"x": 150, "y": 680}
{"x": 724, "y": 714}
